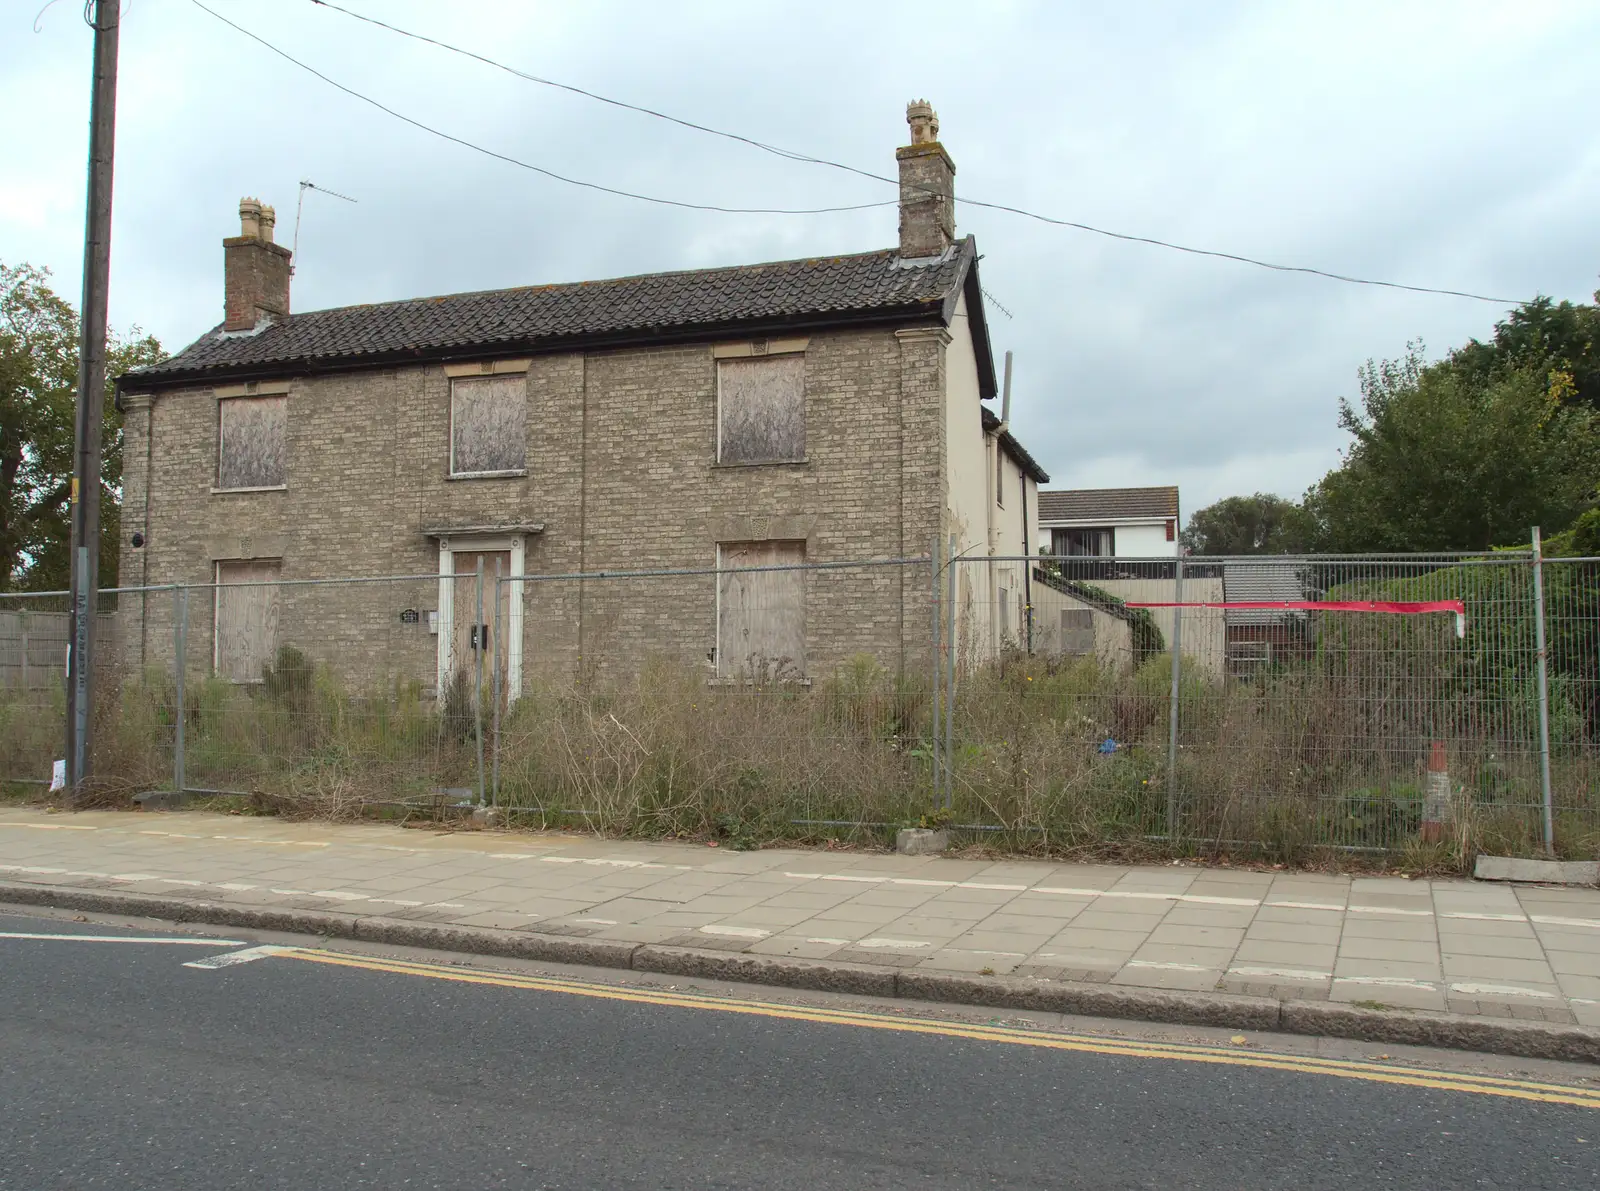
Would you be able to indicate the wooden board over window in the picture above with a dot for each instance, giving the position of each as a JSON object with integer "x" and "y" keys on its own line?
{"x": 251, "y": 452}
{"x": 761, "y": 615}
{"x": 761, "y": 404}
{"x": 488, "y": 424}
{"x": 1077, "y": 632}
{"x": 246, "y": 617}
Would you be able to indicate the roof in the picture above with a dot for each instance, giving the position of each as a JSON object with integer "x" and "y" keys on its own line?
{"x": 1261, "y": 582}
{"x": 1107, "y": 504}
{"x": 818, "y": 291}
{"x": 1018, "y": 452}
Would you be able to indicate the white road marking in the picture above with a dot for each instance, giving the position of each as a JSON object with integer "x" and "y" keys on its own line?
{"x": 182, "y": 942}
{"x": 830, "y": 942}
{"x": 1305, "y": 906}
{"x": 1388, "y": 982}
{"x": 1485, "y": 917}
{"x": 1167, "y": 967}
{"x": 51, "y": 826}
{"x": 597, "y": 921}
{"x": 396, "y": 901}
{"x": 1002, "y": 954}
{"x": 736, "y": 932}
{"x": 1281, "y": 973}
{"x": 1388, "y": 910}
{"x": 342, "y": 895}
{"x": 1547, "y": 920}
{"x": 878, "y": 943}
{"x": 248, "y": 955}
{"x": 1501, "y": 990}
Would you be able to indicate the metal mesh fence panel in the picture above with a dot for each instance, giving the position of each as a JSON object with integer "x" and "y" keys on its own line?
{"x": 764, "y": 699}
{"x": 323, "y": 696}
{"x": 33, "y": 665}
{"x": 1316, "y": 701}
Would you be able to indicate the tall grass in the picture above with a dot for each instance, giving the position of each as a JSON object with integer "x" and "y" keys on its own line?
{"x": 1054, "y": 756}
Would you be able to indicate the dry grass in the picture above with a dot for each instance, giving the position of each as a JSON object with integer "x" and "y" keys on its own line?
{"x": 1283, "y": 770}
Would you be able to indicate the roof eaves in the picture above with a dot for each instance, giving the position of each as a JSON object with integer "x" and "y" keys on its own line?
{"x": 162, "y": 376}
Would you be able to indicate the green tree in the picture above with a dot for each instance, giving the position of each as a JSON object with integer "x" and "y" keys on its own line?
{"x": 1562, "y": 337}
{"x": 1258, "y": 524}
{"x": 38, "y": 382}
{"x": 1446, "y": 458}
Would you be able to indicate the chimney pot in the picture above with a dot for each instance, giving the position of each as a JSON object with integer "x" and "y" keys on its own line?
{"x": 255, "y": 271}
{"x": 927, "y": 187}
{"x": 250, "y": 218}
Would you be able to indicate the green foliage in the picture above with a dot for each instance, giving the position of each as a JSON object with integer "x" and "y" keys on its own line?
{"x": 1446, "y": 459}
{"x": 1559, "y": 337}
{"x": 1258, "y": 524}
{"x": 38, "y": 385}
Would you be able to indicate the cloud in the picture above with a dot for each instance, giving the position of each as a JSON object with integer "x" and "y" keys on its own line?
{"x": 1448, "y": 146}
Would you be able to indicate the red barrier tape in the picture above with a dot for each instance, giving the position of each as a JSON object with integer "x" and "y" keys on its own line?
{"x": 1400, "y": 607}
{"x": 1395, "y": 607}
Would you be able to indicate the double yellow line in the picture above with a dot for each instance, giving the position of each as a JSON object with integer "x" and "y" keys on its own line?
{"x": 1448, "y": 1081}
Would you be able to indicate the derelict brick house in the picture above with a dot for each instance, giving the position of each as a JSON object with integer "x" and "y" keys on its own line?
{"x": 822, "y": 410}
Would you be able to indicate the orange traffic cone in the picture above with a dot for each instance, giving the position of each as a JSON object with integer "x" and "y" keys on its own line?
{"x": 1436, "y": 796}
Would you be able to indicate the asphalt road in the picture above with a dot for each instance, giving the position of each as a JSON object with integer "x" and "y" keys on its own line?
{"x": 122, "y": 1068}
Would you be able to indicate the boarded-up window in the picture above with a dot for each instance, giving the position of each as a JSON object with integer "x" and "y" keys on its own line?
{"x": 761, "y": 405}
{"x": 761, "y": 615}
{"x": 247, "y": 617}
{"x": 1077, "y": 632}
{"x": 251, "y": 452}
{"x": 488, "y": 424}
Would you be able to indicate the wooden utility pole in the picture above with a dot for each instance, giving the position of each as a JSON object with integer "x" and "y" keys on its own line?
{"x": 91, "y": 396}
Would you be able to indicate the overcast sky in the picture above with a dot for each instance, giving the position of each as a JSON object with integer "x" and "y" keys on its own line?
{"x": 1447, "y": 144}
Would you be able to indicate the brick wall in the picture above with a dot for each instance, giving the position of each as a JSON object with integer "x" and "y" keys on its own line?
{"x": 621, "y": 473}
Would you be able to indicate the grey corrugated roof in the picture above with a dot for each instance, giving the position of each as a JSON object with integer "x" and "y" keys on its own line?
{"x": 1109, "y": 505}
{"x": 1257, "y": 582}
{"x": 625, "y": 309}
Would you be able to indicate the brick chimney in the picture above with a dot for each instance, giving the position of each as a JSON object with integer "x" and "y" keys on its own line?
{"x": 256, "y": 271}
{"x": 927, "y": 187}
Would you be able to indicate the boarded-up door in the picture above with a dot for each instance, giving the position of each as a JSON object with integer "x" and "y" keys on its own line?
{"x": 761, "y": 615}
{"x": 469, "y": 635}
{"x": 246, "y": 617}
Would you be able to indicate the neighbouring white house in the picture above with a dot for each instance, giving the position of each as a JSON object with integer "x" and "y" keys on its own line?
{"x": 1109, "y": 522}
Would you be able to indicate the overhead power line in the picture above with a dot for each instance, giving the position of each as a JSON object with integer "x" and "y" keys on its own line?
{"x": 795, "y": 155}
{"x": 517, "y": 161}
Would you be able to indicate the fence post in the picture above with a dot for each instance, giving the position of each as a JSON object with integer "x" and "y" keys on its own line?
{"x": 494, "y": 686}
{"x": 22, "y": 628}
{"x": 180, "y": 649}
{"x": 933, "y": 638}
{"x": 477, "y": 685}
{"x": 1172, "y": 709}
{"x": 950, "y": 684}
{"x": 1544, "y": 694}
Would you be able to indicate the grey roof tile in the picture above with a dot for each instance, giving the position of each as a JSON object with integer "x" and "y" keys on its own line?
{"x": 1107, "y": 504}
{"x": 616, "y": 310}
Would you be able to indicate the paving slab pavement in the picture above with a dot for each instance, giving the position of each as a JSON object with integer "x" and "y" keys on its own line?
{"x": 1526, "y": 953}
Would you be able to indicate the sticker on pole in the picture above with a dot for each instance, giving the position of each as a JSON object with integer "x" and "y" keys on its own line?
{"x": 58, "y": 776}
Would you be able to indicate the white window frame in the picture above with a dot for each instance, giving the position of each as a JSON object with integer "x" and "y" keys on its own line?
{"x": 517, "y": 545}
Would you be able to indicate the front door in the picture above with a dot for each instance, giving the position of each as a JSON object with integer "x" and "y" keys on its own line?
{"x": 468, "y": 633}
